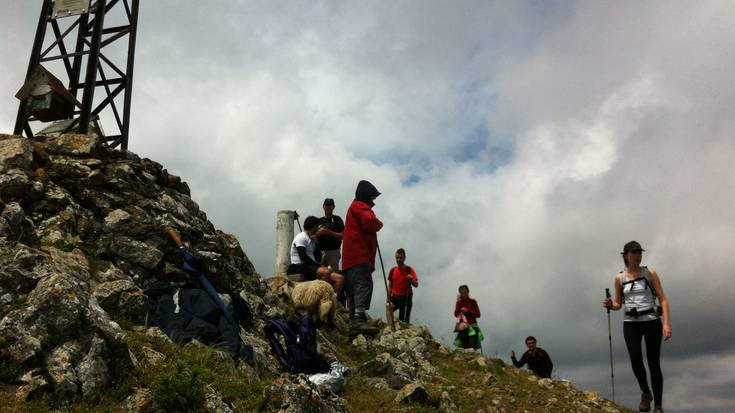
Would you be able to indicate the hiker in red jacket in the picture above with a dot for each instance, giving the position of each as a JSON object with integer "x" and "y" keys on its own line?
{"x": 360, "y": 241}
{"x": 400, "y": 280}
{"x": 467, "y": 308}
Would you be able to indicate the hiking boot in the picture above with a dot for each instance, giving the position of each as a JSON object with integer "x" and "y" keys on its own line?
{"x": 646, "y": 399}
{"x": 362, "y": 326}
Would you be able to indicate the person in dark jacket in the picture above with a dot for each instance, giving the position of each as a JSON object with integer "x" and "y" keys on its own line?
{"x": 360, "y": 242}
{"x": 329, "y": 235}
{"x": 538, "y": 359}
{"x": 466, "y": 308}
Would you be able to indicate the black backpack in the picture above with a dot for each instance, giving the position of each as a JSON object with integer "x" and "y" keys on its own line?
{"x": 300, "y": 354}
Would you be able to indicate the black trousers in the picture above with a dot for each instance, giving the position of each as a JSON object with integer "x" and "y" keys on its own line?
{"x": 651, "y": 332}
{"x": 469, "y": 341}
{"x": 403, "y": 304}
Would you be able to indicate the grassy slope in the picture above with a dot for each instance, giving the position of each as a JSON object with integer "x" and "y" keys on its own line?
{"x": 180, "y": 378}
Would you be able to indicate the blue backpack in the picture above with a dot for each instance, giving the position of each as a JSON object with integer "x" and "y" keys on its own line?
{"x": 300, "y": 354}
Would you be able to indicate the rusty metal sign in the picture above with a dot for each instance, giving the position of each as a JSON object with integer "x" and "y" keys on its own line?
{"x": 65, "y": 8}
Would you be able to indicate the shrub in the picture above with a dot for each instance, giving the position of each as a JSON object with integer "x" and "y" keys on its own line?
{"x": 180, "y": 390}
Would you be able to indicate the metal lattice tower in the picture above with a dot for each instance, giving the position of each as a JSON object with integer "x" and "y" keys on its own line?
{"x": 97, "y": 59}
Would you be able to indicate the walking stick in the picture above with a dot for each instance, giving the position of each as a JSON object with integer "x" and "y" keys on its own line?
{"x": 388, "y": 304}
{"x": 609, "y": 337}
{"x": 296, "y": 217}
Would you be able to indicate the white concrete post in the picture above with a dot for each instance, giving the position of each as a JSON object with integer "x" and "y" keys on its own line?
{"x": 284, "y": 237}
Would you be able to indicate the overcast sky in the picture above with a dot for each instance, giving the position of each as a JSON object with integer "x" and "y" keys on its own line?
{"x": 518, "y": 146}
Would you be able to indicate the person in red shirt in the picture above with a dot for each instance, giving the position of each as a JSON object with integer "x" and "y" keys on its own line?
{"x": 359, "y": 244}
{"x": 467, "y": 308}
{"x": 400, "y": 280}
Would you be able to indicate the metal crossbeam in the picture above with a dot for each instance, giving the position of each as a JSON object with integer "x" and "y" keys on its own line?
{"x": 87, "y": 27}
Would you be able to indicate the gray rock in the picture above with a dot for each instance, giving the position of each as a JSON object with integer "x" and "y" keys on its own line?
{"x": 360, "y": 343}
{"x": 396, "y": 372}
{"x": 115, "y": 220}
{"x": 14, "y": 185}
{"x": 296, "y": 394}
{"x": 106, "y": 272}
{"x": 16, "y": 152}
{"x": 93, "y": 371}
{"x": 139, "y": 401}
{"x": 108, "y": 293}
{"x": 14, "y": 225}
{"x": 57, "y": 308}
{"x": 31, "y": 383}
{"x": 413, "y": 393}
{"x": 137, "y": 252}
{"x": 60, "y": 366}
{"x": 74, "y": 263}
{"x": 69, "y": 170}
{"x": 214, "y": 402}
{"x": 446, "y": 404}
{"x": 71, "y": 144}
{"x": 152, "y": 357}
{"x": 157, "y": 334}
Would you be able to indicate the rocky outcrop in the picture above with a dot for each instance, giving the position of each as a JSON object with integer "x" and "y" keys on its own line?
{"x": 82, "y": 235}
{"x": 296, "y": 394}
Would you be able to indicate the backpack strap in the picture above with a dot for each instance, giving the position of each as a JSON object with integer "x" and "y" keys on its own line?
{"x": 647, "y": 275}
{"x": 272, "y": 330}
{"x": 307, "y": 334}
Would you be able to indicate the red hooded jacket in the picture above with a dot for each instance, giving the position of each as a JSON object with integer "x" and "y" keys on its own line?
{"x": 360, "y": 236}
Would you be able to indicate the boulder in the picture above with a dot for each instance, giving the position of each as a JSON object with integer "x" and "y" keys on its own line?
{"x": 413, "y": 393}
{"x": 16, "y": 152}
{"x": 70, "y": 144}
{"x": 122, "y": 298}
{"x": 14, "y": 185}
{"x": 15, "y": 226}
{"x": 140, "y": 401}
{"x": 137, "y": 252}
{"x": 59, "y": 308}
{"x": 296, "y": 394}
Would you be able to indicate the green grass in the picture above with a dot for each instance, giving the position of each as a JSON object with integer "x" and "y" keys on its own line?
{"x": 179, "y": 380}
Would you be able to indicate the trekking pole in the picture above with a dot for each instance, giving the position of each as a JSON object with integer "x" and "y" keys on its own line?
{"x": 609, "y": 337}
{"x": 296, "y": 217}
{"x": 389, "y": 312}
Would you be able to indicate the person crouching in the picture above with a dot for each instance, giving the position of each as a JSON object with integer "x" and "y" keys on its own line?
{"x": 304, "y": 262}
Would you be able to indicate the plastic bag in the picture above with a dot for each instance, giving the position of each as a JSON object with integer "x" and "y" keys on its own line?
{"x": 334, "y": 380}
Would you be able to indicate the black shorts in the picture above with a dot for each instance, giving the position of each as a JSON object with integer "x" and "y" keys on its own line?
{"x": 306, "y": 270}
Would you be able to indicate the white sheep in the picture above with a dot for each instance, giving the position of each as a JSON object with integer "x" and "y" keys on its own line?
{"x": 316, "y": 297}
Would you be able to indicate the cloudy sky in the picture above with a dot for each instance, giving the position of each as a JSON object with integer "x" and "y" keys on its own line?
{"x": 518, "y": 146}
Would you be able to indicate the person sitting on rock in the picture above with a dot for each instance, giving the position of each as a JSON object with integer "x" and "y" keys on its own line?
{"x": 538, "y": 359}
{"x": 304, "y": 262}
{"x": 467, "y": 311}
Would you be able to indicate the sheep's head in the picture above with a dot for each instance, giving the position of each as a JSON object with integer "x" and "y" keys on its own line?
{"x": 284, "y": 294}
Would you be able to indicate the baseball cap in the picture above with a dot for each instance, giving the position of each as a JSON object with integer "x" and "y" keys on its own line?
{"x": 632, "y": 246}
